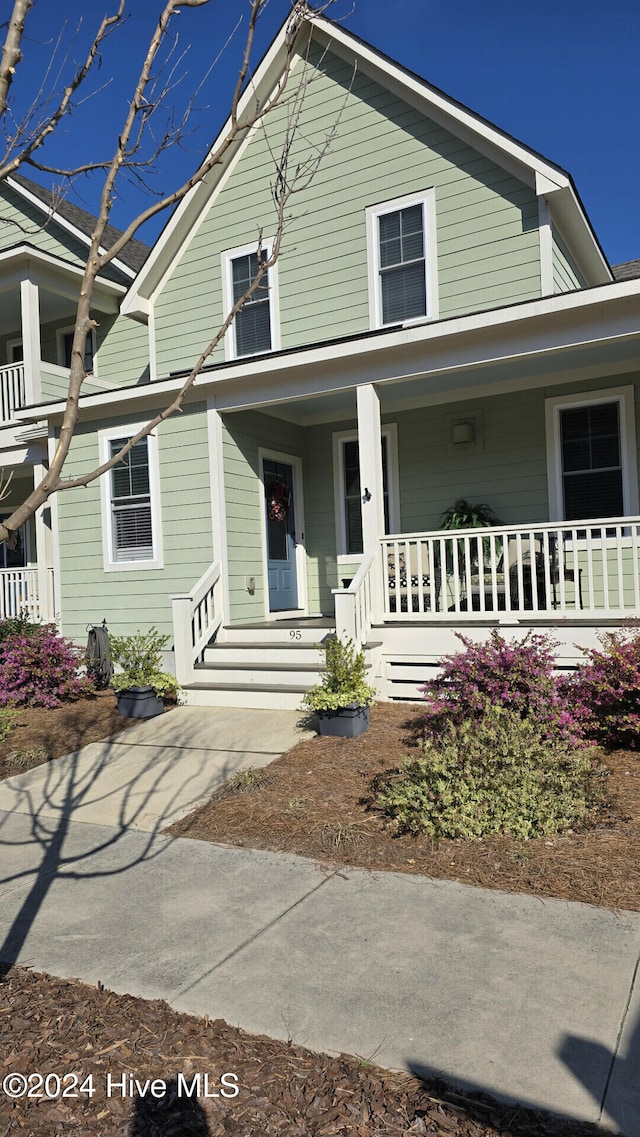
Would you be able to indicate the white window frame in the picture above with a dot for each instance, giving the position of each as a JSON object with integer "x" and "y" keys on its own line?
{"x": 624, "y": 396}
{"x": 390, "y": 432}
{"x": 228, "y": 257}
{"x": 427, "y": 199}
{"x": 10, "y": 346}
{"x": 62, "y": 332}
{"x": 105, "y": 437}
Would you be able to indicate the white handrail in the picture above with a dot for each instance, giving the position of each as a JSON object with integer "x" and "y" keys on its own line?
{"x": 197, "y": 615}
{"x": 353, "y": 604}
{"x": 556, "y": 569}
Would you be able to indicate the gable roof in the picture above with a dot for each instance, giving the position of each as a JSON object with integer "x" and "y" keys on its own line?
{"x": 548, "y": 179}
{"x": 132, "y": 256}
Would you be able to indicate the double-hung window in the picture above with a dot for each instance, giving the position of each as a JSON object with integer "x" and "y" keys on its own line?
{"x": 401, "y": 261}
{"x": 349, "y": 489}
{"x": 65, "y": 344}
{"x": 130, "y": 504}
{"x": 255, "y": 326}
{"x": 591, "y": 446}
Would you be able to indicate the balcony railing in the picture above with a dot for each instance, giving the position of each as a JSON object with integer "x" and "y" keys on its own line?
{"x": 579, "y": 570}
{"x": 20, "y": 594}
{"x": 12, "y": 390}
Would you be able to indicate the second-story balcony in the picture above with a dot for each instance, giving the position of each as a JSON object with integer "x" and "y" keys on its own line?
{"x": 12, "y": 391}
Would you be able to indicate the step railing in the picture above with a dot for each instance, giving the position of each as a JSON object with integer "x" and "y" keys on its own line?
{"x": 584, "y": 569}
{"x": 12, "y": 390}
{"x": 197, "y": 615}
{"x": 353, "y": 605}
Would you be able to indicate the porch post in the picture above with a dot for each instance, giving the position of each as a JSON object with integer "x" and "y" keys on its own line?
{"x": 30, "y": 314}
{"x": 218, "y": 504}
{"x": 371, "y": 487}
{"x": 44, "y": 552}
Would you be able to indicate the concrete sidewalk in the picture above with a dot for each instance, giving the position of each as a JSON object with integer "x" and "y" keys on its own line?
{"x": 529, "y": 999}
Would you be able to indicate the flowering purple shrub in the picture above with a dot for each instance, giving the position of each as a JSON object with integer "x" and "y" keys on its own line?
{"x": 518, "y": 676}
{"x": 605, "y": 693}
{"x": 40, "y": 670}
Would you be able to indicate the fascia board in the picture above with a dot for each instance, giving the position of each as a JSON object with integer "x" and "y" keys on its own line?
{"x": 64, "y": 224}
{"x": 179, "y": 226}
{"x": 569, "y": 319}
{"x": 46, "y": 260}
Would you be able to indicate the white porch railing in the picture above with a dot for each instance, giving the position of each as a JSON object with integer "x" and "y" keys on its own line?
{"x": 581, "y": 569}
{"x": 353, "y": 605}
{"x": 12, "y": 390}
{"x": 196, "y": 617}
{"x": 20, "y": 594}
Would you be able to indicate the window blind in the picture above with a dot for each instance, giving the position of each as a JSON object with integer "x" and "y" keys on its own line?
{"x": 591, "y": 461}
{"x": 132, "y": 524}
{"x": 402, "y": 265}
{"x": 253, "y": 322}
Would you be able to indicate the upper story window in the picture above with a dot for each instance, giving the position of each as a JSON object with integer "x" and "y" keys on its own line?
{"x": 255, "y": 327}
{"x": 402, "y": 262}
{"x": 131, "y": 503}
{"x": 591, "y": 449}
{"x": 65, "y": 344}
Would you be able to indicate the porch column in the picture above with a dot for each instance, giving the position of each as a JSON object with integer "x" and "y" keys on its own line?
{"x": 30, "y": 313}
{"x": 44, "y": 552}
{"x": 371, "y": 487}
{"x": 218, "y": 505}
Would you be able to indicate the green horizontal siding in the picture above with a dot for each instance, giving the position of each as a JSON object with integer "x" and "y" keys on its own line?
{"x": 138, "y": 598}
{"x": 566, "y": 274}
{"x": 487, "y": 235}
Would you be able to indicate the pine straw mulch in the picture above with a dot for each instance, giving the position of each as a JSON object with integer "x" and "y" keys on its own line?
{"x": 316, "y": 801}
{"x": 44, "y": 733}
{"x": 54, "y": 1026}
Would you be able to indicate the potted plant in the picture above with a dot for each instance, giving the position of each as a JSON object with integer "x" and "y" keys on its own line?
{"x": 341, "y": 701}
{"x": 463, "y": 515}
{"x": 140, "y": 685}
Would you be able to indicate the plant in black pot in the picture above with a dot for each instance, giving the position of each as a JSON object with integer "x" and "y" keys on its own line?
{"x": 463, "y": 515}
{"x": 341, "y": 701}
{"x": 140, "y": 684}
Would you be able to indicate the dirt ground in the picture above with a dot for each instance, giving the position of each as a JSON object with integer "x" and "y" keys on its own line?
{"x": 49, "y": 1026}
{"x": 316, "y": 801}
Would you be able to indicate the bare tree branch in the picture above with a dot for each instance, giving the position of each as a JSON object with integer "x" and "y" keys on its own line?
{"x": 12, "y": 50}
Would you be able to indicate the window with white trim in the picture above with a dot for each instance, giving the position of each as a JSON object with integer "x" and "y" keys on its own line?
{"x": 591, "y": 445}
{"x": 349, "y": 489}
{"x": 401, "y": 260}
{"x": 65, "y": 344}
{"x": 131, "y": 503}
{"x": 255, "y": 327}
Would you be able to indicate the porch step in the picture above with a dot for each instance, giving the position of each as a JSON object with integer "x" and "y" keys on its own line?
{"x": 265, "y": 653}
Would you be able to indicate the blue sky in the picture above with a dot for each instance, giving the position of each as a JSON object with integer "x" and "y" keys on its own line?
{"x": 563, "y": 77}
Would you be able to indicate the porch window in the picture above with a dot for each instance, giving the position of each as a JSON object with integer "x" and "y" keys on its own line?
{"x": 131, "y": 509}
{"x": 254, "y": 329}
{"x": 591, "y": 461}
{"x": 65, "y": 343}
{"x": 402, "y": 263}
{"x": 351, "y": 494}
{"x": 591, "y": 455}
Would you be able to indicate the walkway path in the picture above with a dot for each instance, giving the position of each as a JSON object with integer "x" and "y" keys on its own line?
{"x": 531, "y": 999}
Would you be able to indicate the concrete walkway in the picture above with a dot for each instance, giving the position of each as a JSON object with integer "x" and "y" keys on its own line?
{"x": 534, "y": 1000}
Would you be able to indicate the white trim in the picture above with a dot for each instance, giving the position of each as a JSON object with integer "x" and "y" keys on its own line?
{"x": 64, "y": 224}
{"x": 624, "y": 396}
{"x": 389, "y": 430}
{"x": 426, "y": 199}
{"x": 109, "y": 563}
{"x": 69, "y": 330}
{"x": 53, "y": 505}
{"x": 218, "y": 502}
{"x": 226, "y": 261}
{"x": 151, "y": 337}
{"x": 546, "y": 247}
{"x": 301, "y": 550}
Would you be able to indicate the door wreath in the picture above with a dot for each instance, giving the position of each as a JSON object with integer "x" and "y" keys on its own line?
{"x": 278, "y": 501}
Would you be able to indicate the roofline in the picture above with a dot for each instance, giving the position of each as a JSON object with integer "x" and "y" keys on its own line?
{"x": 65, "y": 224}
{"x": 345, "y": 354}
{"x": 443, "y": 106}
{"x": 27, "y": 250}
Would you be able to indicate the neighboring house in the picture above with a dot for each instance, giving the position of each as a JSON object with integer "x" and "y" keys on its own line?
{"x": 442, "y": 324}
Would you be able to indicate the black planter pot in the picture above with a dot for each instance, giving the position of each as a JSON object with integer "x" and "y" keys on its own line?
{"x": 347, "y": 722}
{"x": 139, "y": 703}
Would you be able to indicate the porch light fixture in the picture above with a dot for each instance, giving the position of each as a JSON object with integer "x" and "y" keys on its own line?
{"x": 366, "y": 495}
{"x": 463, "y": 433}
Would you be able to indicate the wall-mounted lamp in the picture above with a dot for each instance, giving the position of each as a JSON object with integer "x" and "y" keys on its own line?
{"x": 366, "y": 495}
{"x": 463, "y": 433}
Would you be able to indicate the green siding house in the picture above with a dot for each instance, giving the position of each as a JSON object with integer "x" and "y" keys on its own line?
{"x": 441, "y": 324}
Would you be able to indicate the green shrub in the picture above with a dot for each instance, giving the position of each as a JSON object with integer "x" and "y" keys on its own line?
{"x": 18, "y": 626}
{"x": 494, "y": 775}
{"x": 7, "y": 722}
{"x": 141, "y": 663}
{"x": 344, "y": 681}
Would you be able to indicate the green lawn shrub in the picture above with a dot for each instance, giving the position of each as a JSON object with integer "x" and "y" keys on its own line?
{"x": 496, "y": 774}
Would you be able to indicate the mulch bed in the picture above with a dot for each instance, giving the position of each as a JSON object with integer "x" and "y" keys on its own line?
{"x": 42, "y": 734}
{"x": 316, "y": 801}
{"x": 51, "y": 1026}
